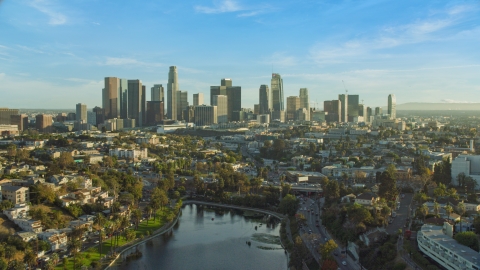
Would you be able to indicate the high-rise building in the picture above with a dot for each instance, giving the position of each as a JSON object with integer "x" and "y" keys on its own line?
{"x": 144, "y": 105}
{"x": 155, "y": 112}
{"x": 369, "y": 115}
{"x": 392, "y": 106}
{"x": 21, "y": 120}
{"x": 112, "y": 95}
{"x": 157, "y": 93}
{"x": 277, "y": 92}
{"x": 43, "y": 123}
{"x": 123, "y": 94}
{"x": 198, "y": 99}
{"x": 135, "y": 100}
{"x": 221, "y": 102}
{"x": 333, "y": 110}
{"x": 205, "y": 115}
{"x": 233, "y": 93}
{"x": 81, "y": 112}
{"x": 293, "y": 104}
{"x": 172, "y": 88}
{"x": 99, "y": 115}
{"x": 378, "y": 110}
{"x": 352, "y": 110}
{"x": 256, "y": 108}
{"x": 5, "y": 114}
{"x": 278, "y": 116}
{"x": 264, "y": 99}
{"x": 182, "y": 103}
{"x": 305, "y": 102}
{"x": 344, "y": 113}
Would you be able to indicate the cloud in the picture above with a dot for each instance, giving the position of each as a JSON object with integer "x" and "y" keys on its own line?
{"x": 46, "y": 7}
{"x": 222, "y": 7}
{"x": 119, "y": 61}
{"x": 280, "y": 59}
{"x": 29, "y": 49}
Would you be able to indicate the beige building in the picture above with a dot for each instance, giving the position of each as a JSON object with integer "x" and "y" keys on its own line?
{"x": 15, "y": 194}
{"x": 293, "y": 104}
{"x": 43, "y": 123}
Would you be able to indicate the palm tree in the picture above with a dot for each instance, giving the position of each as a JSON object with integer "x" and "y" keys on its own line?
{"x": 148, "y": 211}
{"x": 449, "y": 210}
{"x": 424, "y": 210}
{"x": 137, "y": 215}
{"x": 29, "y": 258}
{"x": 436, "y": 208}
{"x": 461, "y": 210}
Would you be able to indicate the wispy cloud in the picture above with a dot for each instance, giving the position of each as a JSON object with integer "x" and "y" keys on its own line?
{"x": 227, "y": 6}
{"x": 29, "y": 49}
{"x": 47, "y": 8}
{"x": 119, "y": 61}
{"x": 389, "y": 37}
{"x": 280, "y": 59}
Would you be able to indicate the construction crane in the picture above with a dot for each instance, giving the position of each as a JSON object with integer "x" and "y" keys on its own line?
{"x": 346, "y": 91}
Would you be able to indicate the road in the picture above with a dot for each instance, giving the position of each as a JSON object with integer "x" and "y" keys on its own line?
{"x": 402, "y": 214}
{"x": 313, "y": 233}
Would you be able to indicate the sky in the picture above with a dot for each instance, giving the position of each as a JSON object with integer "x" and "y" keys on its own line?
{"x": 54, "y": 54}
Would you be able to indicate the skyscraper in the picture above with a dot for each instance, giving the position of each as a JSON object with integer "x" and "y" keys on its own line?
{"x": 197, "y": 99}
{"x": 277, "y": 92}
{"x": 157, "y": 93}
{"x": 182, "y": 103}
{"x": 21, "y": 120}
{"x": 264, "y": 99}
{"x": 111, "y": 97}
{"x": 392, "y": 106}
{"x": 333, "y": 110}
{"x": 81, "y": 112}
{"x": 172, "y": 88}
{"x": 123, "y": 95}
{"x": 233, "y": 93}
{"x": 378, "y": 110}
{"x": 155, "y": 112}
{"x": 5, "y": 114}
{"x": 205, "y": 115}
{"x": 344, "y": 113}
{"x": 43, "y": 123}
{"x": 135, "y": 99}
{"x": 221, "y": 102}
{"x": 100, "y": 115}
{"x": 353, "y": 107}
{"x": 293, "y": 104}
{"x": 305, "y": 102}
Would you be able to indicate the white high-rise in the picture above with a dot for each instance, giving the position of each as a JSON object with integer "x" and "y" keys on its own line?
{"x": 392, "y": 106}
{"x": 305, "y": 102}
{"x": 81, "y": 112}
{"x": 172, "y": 89}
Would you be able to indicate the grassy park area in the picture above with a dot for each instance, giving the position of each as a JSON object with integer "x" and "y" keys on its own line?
{"x": 92, "y": 254}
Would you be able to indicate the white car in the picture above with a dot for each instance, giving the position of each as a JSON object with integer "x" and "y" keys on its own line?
{"x": 344, "y": 262}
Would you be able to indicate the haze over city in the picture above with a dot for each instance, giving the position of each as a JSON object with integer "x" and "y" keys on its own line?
{"x": 54, "y": 54}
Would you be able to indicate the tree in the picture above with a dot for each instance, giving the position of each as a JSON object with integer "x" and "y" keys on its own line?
{"x": 65, "y": 160}
{"x": 130, "y": 235}
{"x": 326, "y": 249}
{"x": 3, "y": 264}
{"x": 449, "y": 210}
{"x": 29, "y": 258}
{"x": 288, "y": 205}
{"x": 388, "y": 185}
{"x": 461, "y": 210}
{"x": 436, "y": 208}
{"x": 468, "y": 239}
{"x": 137, "y": 215}
{"x": 424, "y": 210}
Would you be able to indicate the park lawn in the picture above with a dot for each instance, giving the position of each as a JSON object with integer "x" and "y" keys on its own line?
{"x": 93, "y": 254}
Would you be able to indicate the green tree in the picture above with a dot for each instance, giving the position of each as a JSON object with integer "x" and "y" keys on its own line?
{"x": 288, "y": 205}
{"x": 468, "y": 239}
{"x": 326, "y": 249}
{"x": 461, "y": 210}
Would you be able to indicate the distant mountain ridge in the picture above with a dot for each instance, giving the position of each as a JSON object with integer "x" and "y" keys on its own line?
{"x": 424, "y": 106}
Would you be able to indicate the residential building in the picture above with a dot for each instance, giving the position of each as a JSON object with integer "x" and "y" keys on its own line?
{"x": 367, "y": 199}
{"x": 43, "y": 123}
{"x": 468, "y": 165}
{"x": 16, "y": 194}
{"x": 129, "y": 153}
{"x": 56, "y": 238}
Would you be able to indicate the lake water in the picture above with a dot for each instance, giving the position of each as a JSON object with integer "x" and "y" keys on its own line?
{"x": 198, "y": 242}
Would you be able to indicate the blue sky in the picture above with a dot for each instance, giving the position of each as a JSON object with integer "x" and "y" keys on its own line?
{"x": 54, "y": 54}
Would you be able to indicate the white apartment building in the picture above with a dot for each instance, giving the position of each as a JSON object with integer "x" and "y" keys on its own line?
{"x": 467, "y": 164}
{"x": 434, "y": 242}
{"x": 129, "y": 153}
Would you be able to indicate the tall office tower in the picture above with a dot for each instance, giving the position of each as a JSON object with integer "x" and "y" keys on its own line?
{"x": 43, "y": 123}
{"x": 221, "y": 101}
{"x": 198, "y": 99}
{"x": 172, "y": 88}
{"x": 61, "y": 117}
{"x": 278, "y": 116}
{"x": 378, "y": 110}
{"x": 264, "y": 99}
{"x": 256, "y": 108}
{"x": 333, "y": 110}
{"x": 205, "y": 115}
{"x": 277, "y": 92}
{"x": 144, "y": 105}
{"x": 369, "y": 115}
{"x": 157, "y": 93}
{"x": 344, "y": 100}
{"x": 123, "y": 95}
{"x": 155, "y": 112}
{"x": 99, "y": 115}
{"x": 182, "y": 103}
{"x": 362, "y": 112}
{"x": 135, "y": 98}
{"x": 5, "y": 114}
{"x": 190, "y": 113}
{"x": 112, "y": 97}
{"x": 226, "y": 82}
{"x": 352, "y": 109}
{"x": 81, "y": 112}
{"x": 71, "y": 116}
{"x": 21, "y": 120}
{"x": 392, "y": 106}
{"x": 217, "y": 90}
{"x": 91, "y": 118}
{"x": 234, "y": 100}
{"x": 293, "y": 104}
{"x": 305, "y": 102}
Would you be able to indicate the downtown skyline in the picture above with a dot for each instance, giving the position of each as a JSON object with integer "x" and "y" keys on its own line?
{"x": 58, "y": 55}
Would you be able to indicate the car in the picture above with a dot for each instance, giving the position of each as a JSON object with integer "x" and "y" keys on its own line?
{"x": 344, "y": 262}
{"x": 325, "y": 239}
{"x": 96, "y": 242}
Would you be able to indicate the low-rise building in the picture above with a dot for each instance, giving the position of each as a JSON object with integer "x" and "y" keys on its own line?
{"x": 15, "y": 194}
{"x": 56, "y": 238}
{"x": 367, "y": 199}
